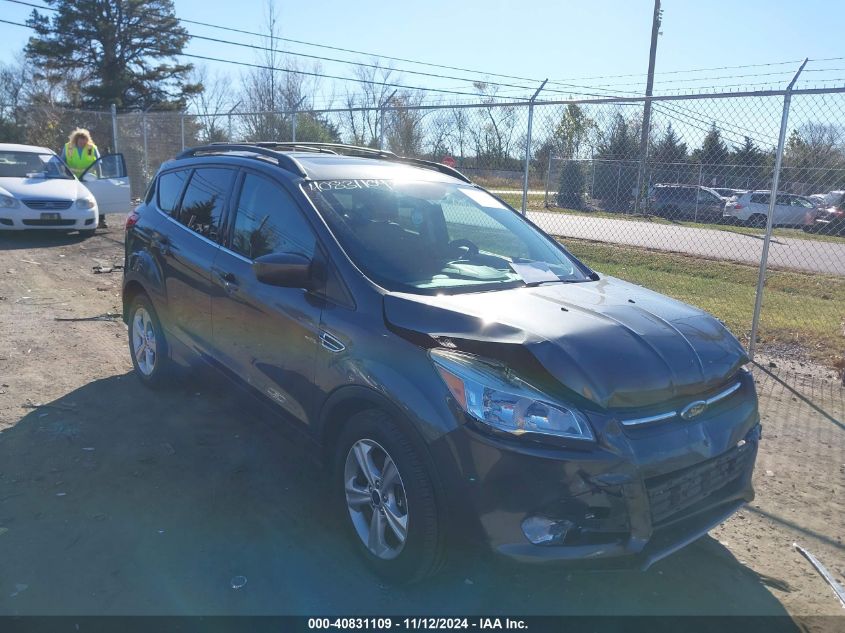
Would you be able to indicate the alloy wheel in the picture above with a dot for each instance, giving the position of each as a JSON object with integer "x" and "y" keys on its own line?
{"x": 376, "y": 499}
{"x": 144, "y": 341}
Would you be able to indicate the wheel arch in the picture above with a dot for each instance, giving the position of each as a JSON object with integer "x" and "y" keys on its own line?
{"x": 347, "y": 401}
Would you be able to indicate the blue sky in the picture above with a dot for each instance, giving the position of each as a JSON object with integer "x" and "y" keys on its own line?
{"x": 533, "y": 39}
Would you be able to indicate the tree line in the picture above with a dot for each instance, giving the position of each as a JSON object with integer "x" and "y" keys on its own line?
{"x": 87, "y": 55}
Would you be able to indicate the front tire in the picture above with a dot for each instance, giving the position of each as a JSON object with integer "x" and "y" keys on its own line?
{"x": 147, "y": 344}
{"x": 386, "y": 494}
{"x": 86, "y": 233}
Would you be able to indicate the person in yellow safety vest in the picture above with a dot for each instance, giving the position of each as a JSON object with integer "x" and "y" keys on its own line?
{"x": 79, "y": 153}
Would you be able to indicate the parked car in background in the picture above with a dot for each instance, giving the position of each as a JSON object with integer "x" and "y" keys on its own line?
{"x": 38, "y": 191}
{"x": 465, "y": 379}
{"x": 677, "y": 202}
{"x": 818, "y": 199}
{"x": 829, "y": 221}
{"x": 752, "y": 208}
{"x": 833, "y": 198}
{"x": 727, "y": 194}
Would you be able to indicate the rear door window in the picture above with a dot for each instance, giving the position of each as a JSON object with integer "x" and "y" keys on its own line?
{"x": 204, "y": 200}
{"x": 760, "y": 198}
{"x": 170, "y": 187}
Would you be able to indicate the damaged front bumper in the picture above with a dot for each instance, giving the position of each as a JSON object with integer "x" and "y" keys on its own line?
{"x": 636, "y": 497}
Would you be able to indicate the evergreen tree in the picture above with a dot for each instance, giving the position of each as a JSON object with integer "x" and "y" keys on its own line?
{"x": 122, "y": 51}
{"x": 616, "y": 169}
{"x": 713, "y": 150}
{"x": 669, "y": 149}
{"x": 748, "y": 154}
{"x": 571, "y": 190}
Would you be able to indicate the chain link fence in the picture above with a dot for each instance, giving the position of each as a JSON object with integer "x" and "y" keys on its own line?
{"x": 690, "y": 218}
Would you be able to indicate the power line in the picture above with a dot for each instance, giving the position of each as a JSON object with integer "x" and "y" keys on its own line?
{"x": 467, "y": 79}
{"x": 326, "y": 46}
{"x": 693, "y": 70}
{"x": 303, "y": 72}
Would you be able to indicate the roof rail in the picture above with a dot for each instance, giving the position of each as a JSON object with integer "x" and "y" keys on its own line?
{"x": 283, "y": 160}
{"x": 294, "y": 147}
{"x": 274, "y": 149}
{"x": 371, "y": 152}
{"x": 430, "y": 164}
{"x": 339, "y": 148}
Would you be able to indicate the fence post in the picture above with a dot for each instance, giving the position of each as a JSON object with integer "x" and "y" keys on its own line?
{"x": 146, "y": 159}
{"x": 764, "y": 258}
{"x": 618, "y": 182}
{"x": 114, "y": 127}
{"x": 293, "y": 126}
{"x": 592, "y": 177}
{"x": 700, "y": 173}
{"x": 381, "y": 109}
{"x": 528, "y": 147}
{"x": 182, "y": 128}
{"x": 548, "y": 179}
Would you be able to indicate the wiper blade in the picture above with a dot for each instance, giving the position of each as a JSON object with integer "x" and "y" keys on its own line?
{"x": 534, "y": 284}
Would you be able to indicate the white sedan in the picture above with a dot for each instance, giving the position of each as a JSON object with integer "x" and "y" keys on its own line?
{"x": 38, "y": 191}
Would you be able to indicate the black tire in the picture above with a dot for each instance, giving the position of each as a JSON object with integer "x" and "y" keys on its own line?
{"x": 757, "y": 221}
{"x": 86, "y": 233}
{"x": 423, "y": 553}
{"x": 162, "y": 367}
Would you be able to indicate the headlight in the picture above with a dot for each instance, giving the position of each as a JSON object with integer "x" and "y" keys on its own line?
{"x": 8, "y": 202}
{"x": 85, "y": 203}
{"x": 493, "y": 395}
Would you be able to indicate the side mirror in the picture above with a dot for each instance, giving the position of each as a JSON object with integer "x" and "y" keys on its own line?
{"x": 287, "y": 270}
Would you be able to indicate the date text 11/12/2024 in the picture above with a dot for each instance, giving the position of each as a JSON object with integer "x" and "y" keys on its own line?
{"x": 417, "y": 623}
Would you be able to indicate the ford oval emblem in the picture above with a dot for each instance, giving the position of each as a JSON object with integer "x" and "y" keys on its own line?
{"x": 693, "y": 409}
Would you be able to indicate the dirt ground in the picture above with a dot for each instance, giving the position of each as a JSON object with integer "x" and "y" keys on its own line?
{"x": 118, "y": 500}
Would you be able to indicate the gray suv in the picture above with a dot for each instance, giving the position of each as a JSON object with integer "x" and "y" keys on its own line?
{"x": 686, "y": 202}
{"x": 464, "y": 378}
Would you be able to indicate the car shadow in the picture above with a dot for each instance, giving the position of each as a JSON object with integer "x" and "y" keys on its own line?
{"x": 115, "y": 499}
{"x": 22, "y": 240}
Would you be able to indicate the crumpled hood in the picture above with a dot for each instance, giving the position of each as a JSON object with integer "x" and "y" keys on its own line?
{"x": 616, "y": 344}
{"x": 42, "y": 188}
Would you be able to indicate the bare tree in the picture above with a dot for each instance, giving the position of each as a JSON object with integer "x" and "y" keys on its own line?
{"x": 364, "y": 117}
{"x": 215, "y": 98}
{"x": 494, "y": 138}
{"x": 280, "y": 90}
{"x": 404, "y": 123}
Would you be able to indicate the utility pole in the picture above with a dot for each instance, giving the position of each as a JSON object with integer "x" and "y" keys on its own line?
{"x": 652, "y": 54}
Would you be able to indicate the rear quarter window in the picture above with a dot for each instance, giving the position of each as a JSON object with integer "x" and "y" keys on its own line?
{"x": 169, "y": 188}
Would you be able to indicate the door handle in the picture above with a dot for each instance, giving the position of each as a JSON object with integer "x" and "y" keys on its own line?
{"x": 227, "y": 279}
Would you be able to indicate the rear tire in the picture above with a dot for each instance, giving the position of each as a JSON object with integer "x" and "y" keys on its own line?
{"x": 147, "y": 344}
{"x": 386, "y": 498}
{"x": 757, "y": 221}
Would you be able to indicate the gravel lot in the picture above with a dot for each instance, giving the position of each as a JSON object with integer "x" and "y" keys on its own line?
{"x": 117, "y": 500}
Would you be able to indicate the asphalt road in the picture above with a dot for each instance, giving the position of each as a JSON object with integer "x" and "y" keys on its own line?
{"x": 807, "y": 255}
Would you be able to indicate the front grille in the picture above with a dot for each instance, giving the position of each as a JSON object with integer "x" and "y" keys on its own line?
{"x": 48, "y": 205}
{"x": 671, "y": 494}
{"x": 49, "y": 222}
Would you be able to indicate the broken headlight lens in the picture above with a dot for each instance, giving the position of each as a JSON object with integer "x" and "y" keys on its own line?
{"x": 493, "y": 395}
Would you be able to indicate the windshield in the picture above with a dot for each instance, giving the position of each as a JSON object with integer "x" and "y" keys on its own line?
{"x": 32, "y": 165}
{"x": 431, "y": 237}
